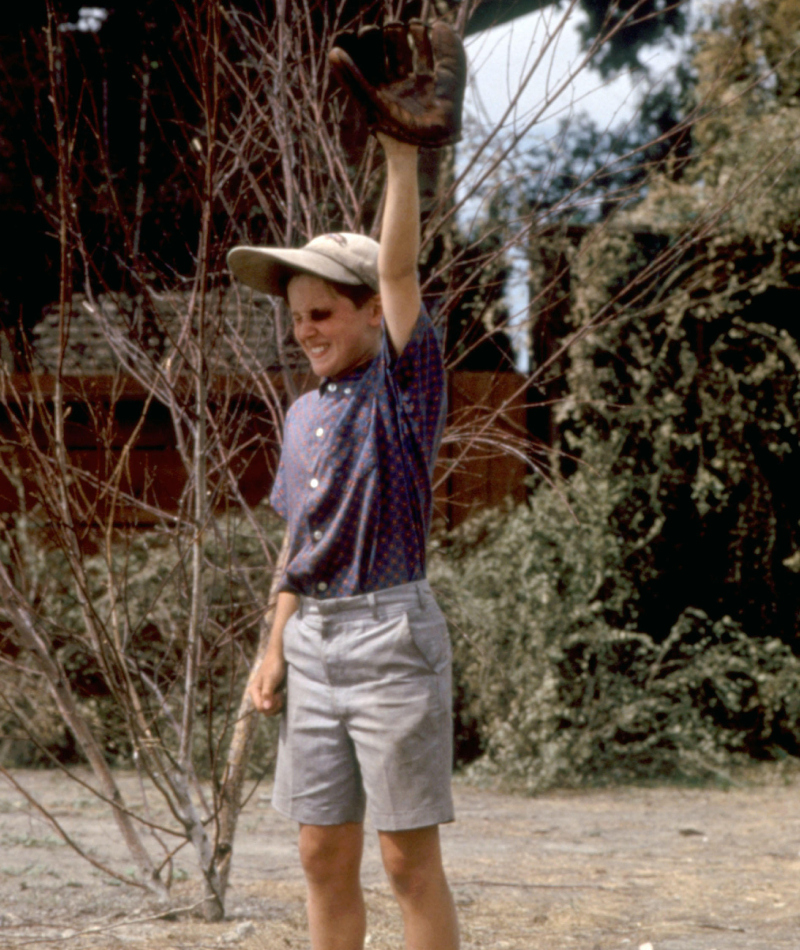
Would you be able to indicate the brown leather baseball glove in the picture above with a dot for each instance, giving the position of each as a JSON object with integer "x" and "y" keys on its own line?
{"x": 409, "y": 78}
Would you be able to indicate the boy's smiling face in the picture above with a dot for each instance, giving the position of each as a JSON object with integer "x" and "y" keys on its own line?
{"x": 335, "y": 335}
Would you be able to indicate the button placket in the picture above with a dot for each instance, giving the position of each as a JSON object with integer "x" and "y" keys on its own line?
{"x": 318, "y": 436}
{"x": 319, "y": 432}
{"x": 320, "y": 429}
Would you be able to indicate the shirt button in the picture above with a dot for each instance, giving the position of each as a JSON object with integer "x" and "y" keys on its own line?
{"x": 317, "y": 535}
{"x": 332, "y": 387}
{"x": 320, "y": 432}
{"x": 322, "y": 586}
{"x": 314, "y": 483}
{"x": 347, "y": 390}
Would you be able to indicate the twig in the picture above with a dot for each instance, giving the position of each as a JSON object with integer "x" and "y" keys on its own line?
{"x": 91, "y": 931}
{"x": 49, "y": 817}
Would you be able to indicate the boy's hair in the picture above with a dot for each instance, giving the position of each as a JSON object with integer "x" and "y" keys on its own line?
{"x": 358, "y": 294}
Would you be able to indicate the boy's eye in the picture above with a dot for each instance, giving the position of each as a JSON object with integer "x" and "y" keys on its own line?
{"x": 315, "y": 316}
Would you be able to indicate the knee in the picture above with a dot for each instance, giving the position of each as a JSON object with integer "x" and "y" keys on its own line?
{"x": 409, "y": 881}
{"x": 330, "y": 855}
{"x": 413, "y": 873}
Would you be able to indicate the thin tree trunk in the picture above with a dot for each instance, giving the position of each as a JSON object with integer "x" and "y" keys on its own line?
{"x": 213, "y": 908}
{"x": 241, "y": 742}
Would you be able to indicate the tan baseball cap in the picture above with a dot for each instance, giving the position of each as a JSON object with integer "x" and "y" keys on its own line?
{"x": 343, "y": 258}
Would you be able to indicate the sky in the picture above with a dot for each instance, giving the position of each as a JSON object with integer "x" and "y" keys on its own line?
{"x": 560, "y": 87}
{"x": 497, "y": 58}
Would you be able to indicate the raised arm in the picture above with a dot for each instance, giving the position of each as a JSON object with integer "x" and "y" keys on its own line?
{"x": 409, "y": 79}
{"x": 399, "y": 245}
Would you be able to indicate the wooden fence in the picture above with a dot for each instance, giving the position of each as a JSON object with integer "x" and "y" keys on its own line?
{"x": 486, "y": 410}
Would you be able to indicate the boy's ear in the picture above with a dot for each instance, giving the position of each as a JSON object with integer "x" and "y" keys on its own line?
{"x": 375, "y": 311}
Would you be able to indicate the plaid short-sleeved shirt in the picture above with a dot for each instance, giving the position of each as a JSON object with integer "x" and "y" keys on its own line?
{"x": 354, "y": 479}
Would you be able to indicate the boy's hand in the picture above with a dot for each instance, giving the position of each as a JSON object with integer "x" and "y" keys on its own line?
{"x": 265, "y": 687}
{"x": 410, "y": 78}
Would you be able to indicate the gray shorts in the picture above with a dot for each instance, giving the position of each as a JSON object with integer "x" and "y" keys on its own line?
{"x": 367, "y": 719}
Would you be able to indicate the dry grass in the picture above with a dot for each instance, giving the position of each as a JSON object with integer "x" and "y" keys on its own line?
{"x": 678, "y": 868}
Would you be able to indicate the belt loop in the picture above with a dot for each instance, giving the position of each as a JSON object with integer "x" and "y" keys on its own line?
{"x": 420, "y": 600}
{"x": 372, "y": 600}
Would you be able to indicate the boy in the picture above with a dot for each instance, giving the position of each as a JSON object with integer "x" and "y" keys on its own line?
{"x": 357, "y": 633}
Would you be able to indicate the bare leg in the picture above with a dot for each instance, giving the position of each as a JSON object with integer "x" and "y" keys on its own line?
{"x": 413, "y": 863}
{"x": 331, "y": 859}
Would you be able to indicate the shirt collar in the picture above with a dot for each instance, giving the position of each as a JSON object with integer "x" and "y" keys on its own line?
{"x": 352, "y": 377}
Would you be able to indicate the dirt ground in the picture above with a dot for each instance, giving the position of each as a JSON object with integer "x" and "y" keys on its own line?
{"x": 663, "y": 868}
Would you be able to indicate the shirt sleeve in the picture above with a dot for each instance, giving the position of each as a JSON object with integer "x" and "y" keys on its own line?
{"x": 279, "y": 501}
{"x": 419, "y": 376}
{"x": 278, "y": 497}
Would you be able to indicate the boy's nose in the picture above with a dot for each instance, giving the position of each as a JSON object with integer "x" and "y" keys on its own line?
{"x": 303, "y": 330}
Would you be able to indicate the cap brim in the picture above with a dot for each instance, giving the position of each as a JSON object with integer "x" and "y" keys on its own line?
{"x": 270, "y": 269}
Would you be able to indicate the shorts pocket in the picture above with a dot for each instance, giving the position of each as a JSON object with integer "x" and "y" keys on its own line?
{"x": 427, "y": 630}
{"x": 301, "y": 648}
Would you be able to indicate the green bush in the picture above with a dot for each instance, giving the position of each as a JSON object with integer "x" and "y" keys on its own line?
{"x": 556, "y": 693}
{"x": 139, "y": 594}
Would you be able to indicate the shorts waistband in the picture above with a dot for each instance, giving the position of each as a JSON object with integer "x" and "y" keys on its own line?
{"x": 412, "y": 594}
